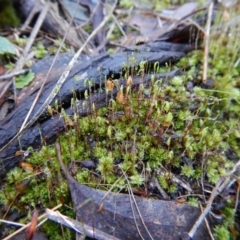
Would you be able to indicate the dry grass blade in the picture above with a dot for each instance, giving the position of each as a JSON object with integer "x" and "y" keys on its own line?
{"x": 36, "y": 29}
{"x": 21, "y": 60}
{"x": 30, "y": 16}
{"x": 139, "y": 213}
{"x": 12, "y": 223}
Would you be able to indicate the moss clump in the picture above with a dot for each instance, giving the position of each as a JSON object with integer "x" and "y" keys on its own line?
{"x": 8, "y": 16}
{"x": 179, "y": 127}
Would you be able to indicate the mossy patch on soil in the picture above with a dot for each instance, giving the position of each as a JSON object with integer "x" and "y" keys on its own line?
{"x": 179, "y": 127}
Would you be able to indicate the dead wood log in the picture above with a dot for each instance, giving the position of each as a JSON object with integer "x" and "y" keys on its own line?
{"x": 125, "y": 216}
{"x": 97, "y": 69}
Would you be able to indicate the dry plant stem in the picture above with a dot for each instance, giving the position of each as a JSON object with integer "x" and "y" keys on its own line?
{"x": 76, "y": 225}
{"x": 119, "y": 25}
{"x": 30, "y": 16}
{"x": 25, "y": 226}
{"x": 221, "y": 185}
{"x": 6, "y": 87}
{"x": 139, "y": 213}
{"x": 176, "y": 180}
{"x": 10, "y": 205}
{"x": 230, "y": 178}
{"x": 58, "y": 84}
{"x": 206, "y": 210}
{"x": 206, "y": 47}
{"x": 103, "y": 44}
{"x": 134, "y": 217}
{"x": 13, "y": 74}
{"x": 59, "y": 157}
{"x": 207, "y": 225}
{"x": 36, "y": 29}
{"x": 160, "y": 189}
{"x": 12, "y": 223}
{"x": 203, "y": 175}
{"x": 115, "y": 183}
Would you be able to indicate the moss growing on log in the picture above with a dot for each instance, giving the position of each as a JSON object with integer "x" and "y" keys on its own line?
{"x": 180, "y": 127}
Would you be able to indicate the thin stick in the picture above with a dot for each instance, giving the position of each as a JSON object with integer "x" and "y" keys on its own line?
{"x": 5, "y": 88}
{"x": 36, "y": 28}
{"x": 131, "y": 203}
{"x": 206, "y": 48}
{"x": 118, "y": 24}
{"x": 12, "y": 223}
{"x": 207, "y": 225}
{"x": 31, "y": 39}
{"x": 206, "y": 210}
{"x": 30, "y": 16}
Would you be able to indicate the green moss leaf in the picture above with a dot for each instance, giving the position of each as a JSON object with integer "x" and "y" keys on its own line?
{"x": 24, "y": 80}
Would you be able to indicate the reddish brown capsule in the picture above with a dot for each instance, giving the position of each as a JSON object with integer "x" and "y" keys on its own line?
{"x": 109, "y": 85}
{"x": 30, "y": 231}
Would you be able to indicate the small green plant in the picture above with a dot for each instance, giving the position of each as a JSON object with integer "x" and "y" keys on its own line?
{"x": 24, "y": 80}
{"x": 40, "y": 51}
{"x": 126, "y": 4}
{"x": 163, "y": 127}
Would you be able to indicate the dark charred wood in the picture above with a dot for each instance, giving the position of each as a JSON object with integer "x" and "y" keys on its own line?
{"x": 120, "y": 218}
{"x": 97, "y": 69}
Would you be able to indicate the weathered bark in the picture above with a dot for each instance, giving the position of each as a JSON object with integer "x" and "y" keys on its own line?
{"x": 96, "y": 69}
{"x": 121, "y": 218}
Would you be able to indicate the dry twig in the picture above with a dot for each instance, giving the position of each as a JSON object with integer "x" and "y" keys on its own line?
{"x": 220, "y": 186}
